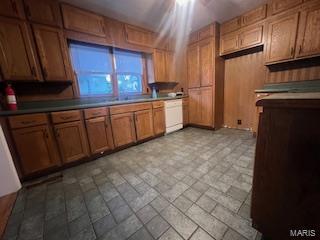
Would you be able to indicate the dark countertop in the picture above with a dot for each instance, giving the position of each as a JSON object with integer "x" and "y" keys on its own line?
{"x": 81, "y": 103}
{"x": 291, "y": 87}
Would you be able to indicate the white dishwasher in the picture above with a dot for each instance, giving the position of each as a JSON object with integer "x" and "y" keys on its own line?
{"x": 174, "y": 115}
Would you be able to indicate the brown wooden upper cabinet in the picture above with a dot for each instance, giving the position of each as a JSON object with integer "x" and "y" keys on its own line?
{"x": 170, "y": 67}
{"x": 123, "y": 129}
{"x": 144, "y": 124}
{"x": 43, "y": 11}
{"x": 99, "y": 130}
{"x": 277, "y": 6}
{"x": 83, "y": 21}
{"x": 139, "y": 36}
{"x": 254, "y": 16}
{"x": 159, "y": 120}
{"x": 251, "y": 37}
{"x": 308, "y": 42}
{"x": 281, "y": 41}
{"x": 229, "y": 43}
{"x": 30, "y": 131}
{"x": 159, "y": 65}
{"x": 193, "y": 60}
{"x": 206, "y": 53}
{"x": 12, "y": 8}
{"x": 52, "y": 49}
{"x": 18, "y": 59}
{"x": 231, "y": 25}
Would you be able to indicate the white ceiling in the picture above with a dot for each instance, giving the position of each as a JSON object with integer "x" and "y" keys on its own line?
{"x": 149, "y": 13}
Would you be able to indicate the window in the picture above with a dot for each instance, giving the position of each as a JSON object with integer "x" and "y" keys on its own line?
{"x": 129, "y": 71}
{"x": 95, "y": 70}
{"x": 93, "y": 67}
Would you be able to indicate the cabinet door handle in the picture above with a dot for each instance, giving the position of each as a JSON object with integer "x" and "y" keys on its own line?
{"x": 300, "y": 48}
{"x": 292, "y": 51}
{"x": 57, "y": 133}
{"x": 33, "y": 71}
{"x": 45, "y": 73}
{"x": 106, "y": 123}
{"x": 46, "y": 135}
{"x": 136, "y": 118}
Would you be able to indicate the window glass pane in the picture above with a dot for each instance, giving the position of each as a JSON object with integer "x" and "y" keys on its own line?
{"x": 95, "y": 84}
{"x": 91, "y": 59}
{"x": 129, "y": 83}
{"x": 128, "y": 62}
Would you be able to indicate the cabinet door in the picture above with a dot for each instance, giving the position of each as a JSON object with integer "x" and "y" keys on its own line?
{"x": 206, "y": 62}
{"x": 53, "y": 54}
{"x": 72, "y": 141}
{"x": 170, "y": 67}
{"x": 139, "y": 36}
{"x": 193, "y": 66}
{"x": 251, "y": 38}
{"x": 206, "y": 106}
{"x": 277, "y": 6}
{"x": 159, "y": 63}
{"x": 159, "y": 121}
{"x": 12, "y": 8}
{"x": 231, "y": 25}
{"x": 194, "y": 106}
{"x": 44, "y": 156}
{"x": 254, "y": 15}
{"x": 123, "y": 129}
{"x": 99, "y": 134}
{"x": 43, "y": 11}
{"x": 185, "y": 109}
{"x": 144, "y": 124}
{"x": 308, "y": 43}
{"x": 82, "y": 21}
{"x": 17, "y": 56}
{"x": 282, "y": 38}
{"x": 229, "y": 43}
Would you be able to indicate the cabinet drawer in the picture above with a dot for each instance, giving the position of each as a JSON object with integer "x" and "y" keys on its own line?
{"x": 67, "y": 116}
{"x": 96, "y": 112}
{"x": 158, "y": 104}
{"x": 28, "y": 120}
{"x": 130, "y": 108}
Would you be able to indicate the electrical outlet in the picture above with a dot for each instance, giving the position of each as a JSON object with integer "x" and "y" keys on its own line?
{"x": 239, "y": 122}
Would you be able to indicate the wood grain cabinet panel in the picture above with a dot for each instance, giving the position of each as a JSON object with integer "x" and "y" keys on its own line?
{"x": 277, "y": 6}
{"x": 43, "y": 11}
{"x": 193, "y": 66}
{"x": 80, "y": 20}
{"x": 206, "y": 32}
{"x": 185, "y": 109}
{"x": 144, "y": 124}
{"x": 308, "y": 43}
{"x": 123, "y": 129}
{"x": 99, "y": 134}
{"x": 170, "y": 67}
{"x": 231, "y": 25}
{"x": 206, "y": 106}
{"x": 17, "y": 56}
{"x": 45, "y": 155}
{"x": 251, "y": 38}
{"x": 254, "y": 16}
{"x": 52, "y": 49}
{"x": 229, "y": 43}
{"x": 12, "y": 8}
{"x": 72, "y": 141}
{"x": 193, "y": 37}
{"x": 282, "y": 38}
{"x": 194, "y": 106}
{"x": 159, "y": 121}
{"x": 139, "y": 36}
{"x": 159, "y": 64}
{"x": 206, "y": 62}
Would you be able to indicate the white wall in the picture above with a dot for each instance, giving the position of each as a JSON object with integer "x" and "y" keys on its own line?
{"x": 9, "y": 180}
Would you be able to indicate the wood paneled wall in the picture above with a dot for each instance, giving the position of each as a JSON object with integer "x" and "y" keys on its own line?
{"x": 243, "y": 75}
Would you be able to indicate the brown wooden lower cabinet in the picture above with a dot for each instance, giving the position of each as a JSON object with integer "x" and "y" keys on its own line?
{"x": 72, "y": 141}
{"x": 144, "y": 124}
{"x": 36, "y": 149}
{"x": 201, "y": 106}
{"x": 99, "y": 134}
{"x": 285, "y": 194}
{"x": 185, "y": 109}
{"x": 159, "y": 121}
{"x": 123, "y": 129}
